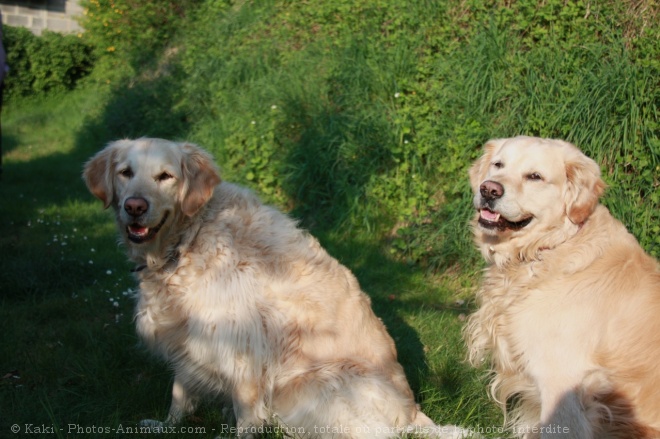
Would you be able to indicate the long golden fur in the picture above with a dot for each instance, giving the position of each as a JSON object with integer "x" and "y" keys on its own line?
{"x": 243, "y": 304}
{"x": 569, "y": 309}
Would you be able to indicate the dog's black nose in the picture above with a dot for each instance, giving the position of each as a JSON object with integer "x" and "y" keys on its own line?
{"x": 491, "y": 190}
{"x": 135, "y": 206}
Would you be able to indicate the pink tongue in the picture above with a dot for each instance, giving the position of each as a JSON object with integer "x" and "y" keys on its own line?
{"x": 138, "y": 230}
{"x": 489, "y": 216}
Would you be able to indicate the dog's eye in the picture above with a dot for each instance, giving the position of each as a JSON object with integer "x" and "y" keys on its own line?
{"x": 164, "y": 176}
{"x": 498, "y": 164}
{"x": 534, "y": 176}
{"x": 127, "y": 172}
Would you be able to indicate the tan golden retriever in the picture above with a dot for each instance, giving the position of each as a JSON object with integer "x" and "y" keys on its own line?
{"x": 569, "y": 309}
{"x": 245, "y": 305}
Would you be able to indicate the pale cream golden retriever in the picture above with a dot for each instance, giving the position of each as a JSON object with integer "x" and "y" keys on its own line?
{"x": 569, "y": 309}
{"x": 243, "y": 304}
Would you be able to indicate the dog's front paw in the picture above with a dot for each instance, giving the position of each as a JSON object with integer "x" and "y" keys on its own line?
{"x": 454, "y": 432}
{"x": 446, "y": 432}
{"x": 153, "y": 425}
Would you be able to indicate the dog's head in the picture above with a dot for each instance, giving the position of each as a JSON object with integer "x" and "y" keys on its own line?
{"x": 151, "y": 183}
{"x": 525, "y": 187}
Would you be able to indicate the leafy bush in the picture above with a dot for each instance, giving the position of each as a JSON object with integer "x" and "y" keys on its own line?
{"x": 131, "y": 31}
{"x": 40, "y": 64}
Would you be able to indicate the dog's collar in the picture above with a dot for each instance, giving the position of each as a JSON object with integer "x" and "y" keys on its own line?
{"x": 171, "y": 261}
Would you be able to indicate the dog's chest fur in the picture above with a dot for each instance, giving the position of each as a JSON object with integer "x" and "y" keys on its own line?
{"x": 210, "y": 323}
{"x": 528, "y": 305}
{"x": 210, "y": 312}
{"x": 524, "y": 315}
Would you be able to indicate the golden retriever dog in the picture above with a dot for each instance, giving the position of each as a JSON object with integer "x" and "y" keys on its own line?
{"x": 244, "y": 305}
{"x": 569, "y": 309}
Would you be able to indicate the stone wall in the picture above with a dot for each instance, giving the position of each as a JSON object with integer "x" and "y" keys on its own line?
{"x": 37, "y": 15}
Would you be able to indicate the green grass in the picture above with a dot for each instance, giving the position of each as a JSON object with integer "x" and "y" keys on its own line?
{"x": 358, "y": 117}
{"x": 69, "y": 356}
{"x": 360, "y": 113}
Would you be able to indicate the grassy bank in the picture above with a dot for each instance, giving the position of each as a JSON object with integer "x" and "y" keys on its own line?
{"x": 358, "y": 117}
{"x": 368, "y": 113}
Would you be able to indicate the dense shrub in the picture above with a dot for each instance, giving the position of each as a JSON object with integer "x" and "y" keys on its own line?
{"x": 131, "y": 31}
{"x": 39, "y": 64}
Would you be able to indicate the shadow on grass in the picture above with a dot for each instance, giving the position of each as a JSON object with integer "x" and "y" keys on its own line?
{"x": 342, "y": 142}
{"x": 41, "y": 206}
{"x": 9, "y": 143}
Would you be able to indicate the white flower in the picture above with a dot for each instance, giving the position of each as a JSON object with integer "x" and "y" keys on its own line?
{"x": 397, "y": 94}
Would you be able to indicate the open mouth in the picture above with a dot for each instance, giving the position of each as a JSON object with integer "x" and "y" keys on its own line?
{"x": 493, "y": 220}
{"x": 138, "y": 234}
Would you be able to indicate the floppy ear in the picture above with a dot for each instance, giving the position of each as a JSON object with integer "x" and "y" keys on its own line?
{"x": 584, "y": 187}
{"x": 98, "y": 174}
{"x": 479, "y": 168}
{"x": 200, "y": 177}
